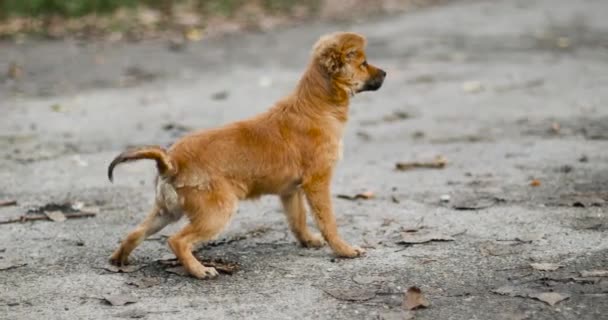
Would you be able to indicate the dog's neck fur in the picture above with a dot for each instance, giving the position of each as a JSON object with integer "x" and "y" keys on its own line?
{"x": 319, "y": 95}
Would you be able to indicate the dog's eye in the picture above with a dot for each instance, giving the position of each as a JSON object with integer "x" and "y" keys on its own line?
{"x": 364, "y": 64}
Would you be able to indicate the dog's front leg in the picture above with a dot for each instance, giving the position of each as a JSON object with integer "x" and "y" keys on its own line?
{"x": 317, "y": 191}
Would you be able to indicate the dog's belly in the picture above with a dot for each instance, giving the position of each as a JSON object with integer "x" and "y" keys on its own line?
{"x": 273, "y": 186}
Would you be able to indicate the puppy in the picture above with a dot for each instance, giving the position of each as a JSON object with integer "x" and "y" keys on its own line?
{"x": 290, "y": 151}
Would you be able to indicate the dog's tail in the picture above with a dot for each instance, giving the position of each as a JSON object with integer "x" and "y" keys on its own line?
{"x": 163, "y": 161}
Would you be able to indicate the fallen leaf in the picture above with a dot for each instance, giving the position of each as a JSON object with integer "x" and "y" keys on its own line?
{"x": 535, "y": 183}
{"x": 120, "y": 299}
{"x": 472, "y": 87}
{"x": 438, "y": 163}
{"x": 220, "y": 265}
{"x": 123, "y": 269}
{"x": 423, "y": 236}
{"x": 594, "y": 273}
{"x": 58, "y": 108}
{"x": 10, "y": 265}
{"x": 550, "y": 298}
{"x": 15, "y": 71}
{"x": 132, "y": 314}
{"x": 414, "y": 299}
{"x": 7, "y": 203}
{"x": 193, "y": 34}
{"x": 545, "y": 266}
{"x": 363, "y": 195}
{"x": 474, "y": 201}
{"x": 530, "y": 237}
{"x": 508, "y": 291}
{"x": 145, "y": 282}
{"x": 220, "y": 95}
{"x": 180, "y": 271}
{"x": 369, "y": 279}
{"x": 56, "y": 216}
{"x": 352, "y": 294}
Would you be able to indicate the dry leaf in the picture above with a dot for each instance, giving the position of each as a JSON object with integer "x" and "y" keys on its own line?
{"x": 363, "y": 195}
{"x": 145, "y": 282}
{"x": 474, "y": 202}
{"x": 508, "y": 291}
{"x": 594, "y": 273}
{"x": 535, "y": 183}
{"x": 353, "y": 294}
{"x": 123, "y": 269}
{"x": 414, "y": 299}
{"x": 423, "y": 236}
{"x": 472, "y": 87}
{"x": 550, "y": 298}
{"x": 193, "y": 34}
{"x": 56, "y": 216}
{"x": 15, "y": 71}
{"x": 370, "y": 279}
{"x": 545, "y": 266}
{"x": 120, "y": 299}
{"x": 180, "y": 271}
{"x": 8, "y": 203}
{"x": 439, "y": 163}
{"x": 8, "y": 266}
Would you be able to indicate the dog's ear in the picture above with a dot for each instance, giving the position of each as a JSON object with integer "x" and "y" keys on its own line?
{"x": 335, "y": 50}
{"x": 329, "y": 56}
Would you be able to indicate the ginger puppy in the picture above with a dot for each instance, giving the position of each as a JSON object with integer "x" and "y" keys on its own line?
{"x": 290, "y": 151}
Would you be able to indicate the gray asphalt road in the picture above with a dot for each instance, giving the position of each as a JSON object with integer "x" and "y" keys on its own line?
{"x": 506, "y": 91}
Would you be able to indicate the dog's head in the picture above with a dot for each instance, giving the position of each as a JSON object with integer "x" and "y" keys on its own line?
{"x": 342, "y": 57}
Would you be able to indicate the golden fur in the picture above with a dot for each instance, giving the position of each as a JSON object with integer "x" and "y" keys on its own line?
{"x": 289, "y": 150}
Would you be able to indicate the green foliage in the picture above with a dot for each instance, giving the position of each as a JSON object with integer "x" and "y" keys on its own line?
{"x": 67, "y": 8}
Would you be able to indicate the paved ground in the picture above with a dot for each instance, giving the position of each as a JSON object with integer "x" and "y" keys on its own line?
{"x": 506, "y": 91}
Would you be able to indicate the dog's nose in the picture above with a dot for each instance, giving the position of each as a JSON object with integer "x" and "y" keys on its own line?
{"x": 382, "y": 73}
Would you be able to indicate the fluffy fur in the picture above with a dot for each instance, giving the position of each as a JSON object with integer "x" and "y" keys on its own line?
{"x": 290, "y": 151}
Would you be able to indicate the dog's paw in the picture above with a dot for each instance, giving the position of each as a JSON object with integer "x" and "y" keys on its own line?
{"x": 314, "y": 241}
{"x": 119, "y": 259}
{"x": 350, "y": 252}
{"x": 202, "y": 272}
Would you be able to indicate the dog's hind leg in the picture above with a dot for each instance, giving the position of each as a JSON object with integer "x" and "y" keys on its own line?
{"x": 209, "y": 213}
{"x": 293, "y": 205}
{"x": 156, "y": 220}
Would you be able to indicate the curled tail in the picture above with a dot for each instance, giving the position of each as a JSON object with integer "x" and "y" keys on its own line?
{"x": 163, "y": 161}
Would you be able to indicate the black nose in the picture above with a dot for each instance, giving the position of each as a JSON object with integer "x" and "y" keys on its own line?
{"x": 382, "y": 73}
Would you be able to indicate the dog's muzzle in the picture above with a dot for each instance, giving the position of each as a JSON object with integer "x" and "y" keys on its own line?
{"x": 375, "y": 83}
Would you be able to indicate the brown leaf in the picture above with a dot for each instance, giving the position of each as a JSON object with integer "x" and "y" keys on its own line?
{"x": 364, "y": 195}
{"x": 439, "y": 163}
{"x": 120, "y": 299}
{"x": 123, "y": 269}
{"x": 423, "y": 236}
{"x": 56, "y": 216}
{"x": 226, "y": 267}
{"x": 594, "y": 273}
{"x": 535, "y": 183}
{"x": 353, "y": 294}
{"x": 545, "y": 266}
{"x": 180, "y": 271}
{"x": 15, "y": 71}
{"x": 7, "y": 203}
{"x": 8, "y": 266}
{"x": 550, "y": 298}
{"x": 145, "y": 282}
{"x": 414, "y": 299}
